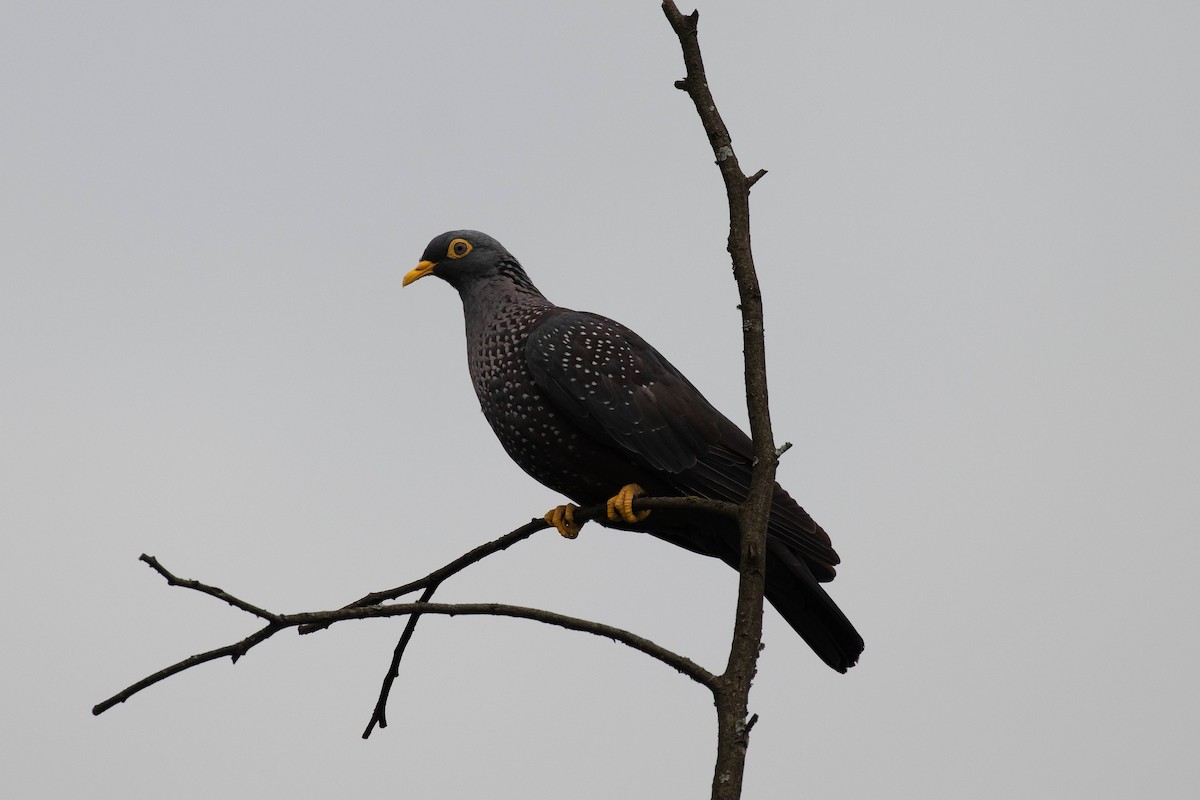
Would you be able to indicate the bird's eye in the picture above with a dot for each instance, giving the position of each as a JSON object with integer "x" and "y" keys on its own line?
{"x": 458, "y": 248}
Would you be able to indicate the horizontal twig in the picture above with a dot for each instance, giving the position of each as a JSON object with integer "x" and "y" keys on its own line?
{"x": 678, "y": 662}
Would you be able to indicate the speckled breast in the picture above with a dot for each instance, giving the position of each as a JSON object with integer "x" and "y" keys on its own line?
{"x": 534, "y": 434}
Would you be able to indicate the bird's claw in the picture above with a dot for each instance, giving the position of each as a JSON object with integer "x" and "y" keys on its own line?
{"x": 563, "y": 520}
{"x": 620, "y": 506}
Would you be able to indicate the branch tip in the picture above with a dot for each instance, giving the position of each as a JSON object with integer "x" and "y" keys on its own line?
{"x": 682, "y": 23}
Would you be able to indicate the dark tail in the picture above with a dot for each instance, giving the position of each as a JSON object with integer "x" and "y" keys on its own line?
{"x": 800, "y": 600}
{"x": 791, "y": 585}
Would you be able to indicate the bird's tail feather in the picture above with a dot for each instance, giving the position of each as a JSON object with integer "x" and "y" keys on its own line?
{"x": 796, "y": 595}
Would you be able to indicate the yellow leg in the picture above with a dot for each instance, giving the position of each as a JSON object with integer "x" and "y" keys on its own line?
{"x": 563, "y": 519}
{"x": 620, "y": 507}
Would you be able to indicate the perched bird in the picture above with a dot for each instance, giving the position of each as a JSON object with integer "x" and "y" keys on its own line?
{"x": 588, "y": 408}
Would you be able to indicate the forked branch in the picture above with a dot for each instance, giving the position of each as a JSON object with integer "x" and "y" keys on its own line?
{"x": 369, "y": 607}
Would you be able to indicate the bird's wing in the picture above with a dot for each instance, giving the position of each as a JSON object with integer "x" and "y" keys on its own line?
{"x": 622, "y": 391}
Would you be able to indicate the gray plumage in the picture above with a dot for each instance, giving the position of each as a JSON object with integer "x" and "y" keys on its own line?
{"x": 586, "y": 406}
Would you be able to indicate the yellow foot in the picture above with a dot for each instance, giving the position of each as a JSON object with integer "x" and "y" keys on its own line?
{"x": 563, "y": 519}
{"x": 620, "y": 507}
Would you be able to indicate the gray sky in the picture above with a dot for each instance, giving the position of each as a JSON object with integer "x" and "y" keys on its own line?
{"x": 979, "y": 245}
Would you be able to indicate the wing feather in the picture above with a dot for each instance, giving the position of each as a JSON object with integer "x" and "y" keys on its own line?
{"x": 623, "y": 392}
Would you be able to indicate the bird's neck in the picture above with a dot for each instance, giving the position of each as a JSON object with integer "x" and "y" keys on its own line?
{"x": 500, "y": 299}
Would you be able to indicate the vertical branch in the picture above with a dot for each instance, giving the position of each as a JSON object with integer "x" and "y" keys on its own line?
{"x": 733, "y": 689}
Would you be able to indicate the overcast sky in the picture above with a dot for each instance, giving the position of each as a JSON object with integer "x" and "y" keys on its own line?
{"x": 979, "y": 241}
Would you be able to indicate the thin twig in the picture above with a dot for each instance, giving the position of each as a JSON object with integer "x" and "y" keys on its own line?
{"x": 379, "y": 715}
{"x": 233, "y": 651}
{"x": 719, "y": 507}
{"x": 656, "y": 651}
{"x": 442, "y": 573}
{"x": 197, "y": 586}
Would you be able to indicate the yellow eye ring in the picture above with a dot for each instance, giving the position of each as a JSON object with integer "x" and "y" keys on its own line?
{"x": 458, "y": 248}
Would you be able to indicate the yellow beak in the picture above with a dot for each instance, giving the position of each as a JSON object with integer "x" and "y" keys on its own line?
{"x": 419, "y": 271}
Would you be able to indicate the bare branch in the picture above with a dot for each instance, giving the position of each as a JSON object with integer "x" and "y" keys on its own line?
{"x": 732, "y": 693}
{"x": 368, "y": 607}
{"x": 719, "y": 507}
{"x": 434, "y": 579}
{"x": 379, "y": 715}
{"x": 677, "y": 662}
{"x": 520, "y": 534}
{"x": 204, "y": 588}
{"x": 233, "y": 651}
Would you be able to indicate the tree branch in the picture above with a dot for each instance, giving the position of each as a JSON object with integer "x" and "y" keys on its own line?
{"x": 368, "y": 607}
{"x": 732, "y": 694}
{"x": 431, "y": 582}
{"x": 680, "y": 663}
{"x": 233, "y": 651}
{"x": 204, "y": 588}
{"x": 379, "y": 715}
{"x": 440, "y": 574}
{"x": 236, "y": 650}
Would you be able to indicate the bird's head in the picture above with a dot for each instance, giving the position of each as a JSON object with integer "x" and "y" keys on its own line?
{"x": 460, "y": 257}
